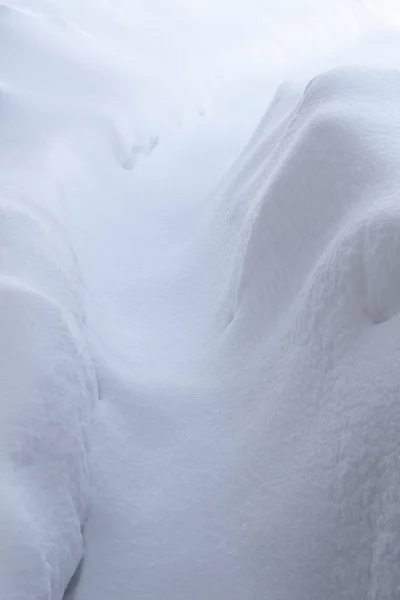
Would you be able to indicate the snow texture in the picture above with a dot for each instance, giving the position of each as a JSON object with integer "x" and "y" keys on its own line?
{"x": 199, "y": 390}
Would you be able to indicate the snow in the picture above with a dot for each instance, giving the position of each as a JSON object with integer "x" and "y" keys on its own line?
{"x": 199, "y": 379}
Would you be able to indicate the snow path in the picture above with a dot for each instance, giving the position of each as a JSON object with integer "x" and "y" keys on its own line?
{"x": 205, "y": 387}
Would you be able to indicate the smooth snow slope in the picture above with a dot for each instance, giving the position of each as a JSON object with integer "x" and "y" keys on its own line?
{"x": 199, "y": 393}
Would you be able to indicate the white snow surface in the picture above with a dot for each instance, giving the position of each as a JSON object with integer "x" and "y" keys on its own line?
{"x": 199, "y": 381}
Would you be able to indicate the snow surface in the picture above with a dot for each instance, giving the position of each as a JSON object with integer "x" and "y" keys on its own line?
{"x": 200, "y": 389}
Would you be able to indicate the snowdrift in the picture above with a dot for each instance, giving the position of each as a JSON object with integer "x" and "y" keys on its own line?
{"x": 310, "y": 344}
{"x": 199, "y": 401}
{"x": 266, "y": 451}
{"x": 48, "y": 390}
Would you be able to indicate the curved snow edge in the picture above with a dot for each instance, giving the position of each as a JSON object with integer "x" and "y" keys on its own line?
{"x": 48, "y": 392}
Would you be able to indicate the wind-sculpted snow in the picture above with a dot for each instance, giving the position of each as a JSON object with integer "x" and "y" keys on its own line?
{"x": 311, "y": 349}
{"x": 48, "y": 390}
{"x": 240, "y": 437}
{"x": 258, "y": 459}
{"x": 48, "y": 385}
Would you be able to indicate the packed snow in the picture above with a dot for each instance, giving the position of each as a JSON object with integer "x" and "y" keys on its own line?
{"x": 199, "y": 365}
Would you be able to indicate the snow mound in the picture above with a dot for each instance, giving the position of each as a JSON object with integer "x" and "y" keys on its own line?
{"x": 322, "y": 171}
{"x": 310, "y": 348}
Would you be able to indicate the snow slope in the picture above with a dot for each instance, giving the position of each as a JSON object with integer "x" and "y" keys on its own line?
{"x": 312, "y": 313}
{"x": 264, "y": 463}
{"x": 200, "y": 391}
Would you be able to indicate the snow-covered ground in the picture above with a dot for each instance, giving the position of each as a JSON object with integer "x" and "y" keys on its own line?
{"x": 199, "y": 365}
